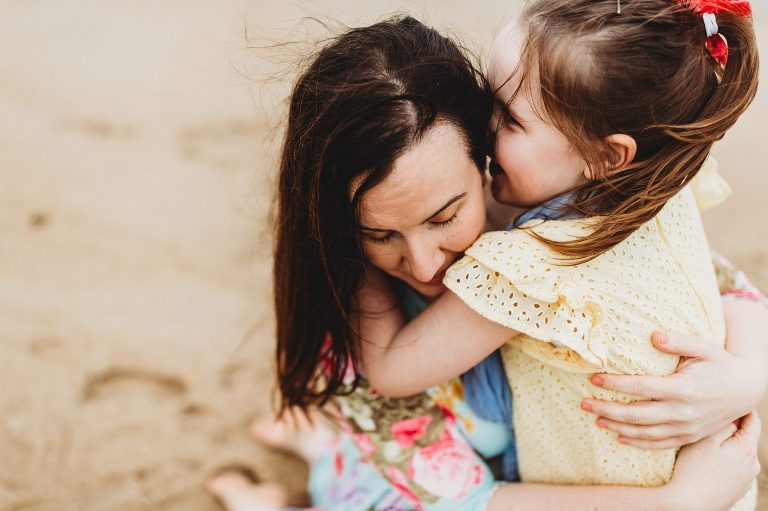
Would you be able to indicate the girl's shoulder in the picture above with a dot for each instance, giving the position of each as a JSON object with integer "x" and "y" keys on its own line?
{"x": 522, "y": 255}
{"x": 656, "y": 276}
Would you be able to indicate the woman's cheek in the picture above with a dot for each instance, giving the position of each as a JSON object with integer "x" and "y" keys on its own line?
{"x": 472, "y": 228}
{"x": 377, "y": 256}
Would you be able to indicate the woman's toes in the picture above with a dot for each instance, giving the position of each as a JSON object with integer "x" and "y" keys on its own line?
{"x": 237, "y": 492}
{"x": 269, "y": 431}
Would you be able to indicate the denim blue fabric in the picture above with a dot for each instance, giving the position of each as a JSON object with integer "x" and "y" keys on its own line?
{"x": 486, "y": 389}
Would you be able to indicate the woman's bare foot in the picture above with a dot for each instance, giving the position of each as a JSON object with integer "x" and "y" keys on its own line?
{"x": 237, "y": 492}
{"x": 294, "y": 433}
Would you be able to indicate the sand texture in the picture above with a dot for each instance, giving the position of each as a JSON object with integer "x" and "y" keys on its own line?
{"x": 137, "y": 150}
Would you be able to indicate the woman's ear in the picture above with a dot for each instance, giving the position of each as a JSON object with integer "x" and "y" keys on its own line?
{"x": 621, "y": 151}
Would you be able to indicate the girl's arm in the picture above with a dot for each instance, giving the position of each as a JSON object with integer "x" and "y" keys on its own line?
{"x": 711, "y": 387}
{"x": 710, "y": 475}
{"x": 443, "y": 342}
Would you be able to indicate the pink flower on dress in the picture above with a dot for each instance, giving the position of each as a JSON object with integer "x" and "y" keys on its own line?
{"x": 338, "y": 463}
{"x": 450, "y": 417}
{"x": 365, "y": 444}
{"x": 447, "y": 468}
{"x": 398, "y": 480}
{"x": 407, "y": 431}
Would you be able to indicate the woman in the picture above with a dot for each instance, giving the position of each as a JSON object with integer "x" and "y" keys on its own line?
{"x": 388, "y": 126}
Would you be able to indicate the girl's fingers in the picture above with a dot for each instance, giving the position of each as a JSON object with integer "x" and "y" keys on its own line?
{"x": 655, "y": 432}
{"x": 655, "y": 387}
{"x": 642, "y": 413}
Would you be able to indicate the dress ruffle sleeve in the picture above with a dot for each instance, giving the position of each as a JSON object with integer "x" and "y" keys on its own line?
{"x": 708, "y": 186}
{"x": 514, "y": 280}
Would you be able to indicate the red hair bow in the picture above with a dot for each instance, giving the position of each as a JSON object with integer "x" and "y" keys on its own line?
{"x": 716, "y": 43}
{"x": 737, "y": 7}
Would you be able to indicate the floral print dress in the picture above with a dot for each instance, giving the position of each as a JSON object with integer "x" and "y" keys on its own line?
{"x": 415, "y": 453}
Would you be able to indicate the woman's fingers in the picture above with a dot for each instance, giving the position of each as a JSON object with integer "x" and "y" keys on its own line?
{"x": 748, "y": 430}
{"x": 642, "y": 413}
{"x": 664, "y": 437}
{"x": 667, "y": 443}
{"x": 655, "y": 432}
{"x": 654, "y": 387}
{"x": 683, "y": 345}
{"x": 724, "y": 434}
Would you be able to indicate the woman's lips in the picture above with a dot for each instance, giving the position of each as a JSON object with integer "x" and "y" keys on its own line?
{"x": 438, "y": 280}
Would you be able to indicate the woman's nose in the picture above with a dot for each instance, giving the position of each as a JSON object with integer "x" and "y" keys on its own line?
{"x": 424, "y": 259}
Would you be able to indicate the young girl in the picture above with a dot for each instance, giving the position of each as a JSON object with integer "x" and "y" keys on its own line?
{"x": 605, "y": 117}
{"x": 379, "y": 107}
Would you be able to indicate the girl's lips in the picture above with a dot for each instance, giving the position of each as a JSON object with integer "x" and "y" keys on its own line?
{"x": 495, "y": 169}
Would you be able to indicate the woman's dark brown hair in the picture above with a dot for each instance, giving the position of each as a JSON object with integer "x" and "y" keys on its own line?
{"x": 643, "y": 72}
{"x": 362, "y": 102}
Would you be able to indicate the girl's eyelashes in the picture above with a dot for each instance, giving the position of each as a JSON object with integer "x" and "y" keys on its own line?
{"x": 504, "y": 116}
{"x": 508, "y": 118}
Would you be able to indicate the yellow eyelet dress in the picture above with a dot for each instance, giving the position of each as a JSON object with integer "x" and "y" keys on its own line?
{"x": 592, "y": 317}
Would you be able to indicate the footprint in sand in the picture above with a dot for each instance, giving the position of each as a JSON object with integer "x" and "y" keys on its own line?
{"x": 99, "y": 128}
{"x": 121, "y": 380}
{"x": 38, "y": 220}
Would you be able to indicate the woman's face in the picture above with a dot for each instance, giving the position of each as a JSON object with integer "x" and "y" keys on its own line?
{"x": 426, "y": 212}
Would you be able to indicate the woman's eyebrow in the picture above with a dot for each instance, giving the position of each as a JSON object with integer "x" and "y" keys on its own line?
{"x": 444, "y": 207}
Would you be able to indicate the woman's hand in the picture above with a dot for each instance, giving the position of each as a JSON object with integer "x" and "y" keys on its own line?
{"x": 714, "y": 473}
{"x": 710, "y": 389}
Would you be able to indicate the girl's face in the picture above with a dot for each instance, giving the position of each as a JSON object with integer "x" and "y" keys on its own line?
{"x": 533, "y": 162}
{"x": 426, "y": 212}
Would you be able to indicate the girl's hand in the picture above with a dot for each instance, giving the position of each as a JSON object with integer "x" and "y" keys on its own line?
{"x": 714, "y": 473}
{"x": 710, "y": 389}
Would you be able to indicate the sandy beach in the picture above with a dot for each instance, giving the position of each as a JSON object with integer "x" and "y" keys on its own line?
{"x": 137, "y": 161}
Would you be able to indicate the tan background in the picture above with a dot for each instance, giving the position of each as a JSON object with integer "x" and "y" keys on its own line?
{"x": 136, "y": 160}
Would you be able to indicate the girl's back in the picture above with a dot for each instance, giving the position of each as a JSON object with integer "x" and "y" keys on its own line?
{"x": 596, "y": 316}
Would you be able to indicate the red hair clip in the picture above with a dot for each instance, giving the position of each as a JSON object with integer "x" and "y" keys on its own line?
{"x": 708, "y": 9}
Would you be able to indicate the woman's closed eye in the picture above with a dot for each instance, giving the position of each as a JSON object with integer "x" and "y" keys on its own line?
{"x": 440, "y": 223}
{"x": 380, "y": 237}
{"x": 385, "y": 237}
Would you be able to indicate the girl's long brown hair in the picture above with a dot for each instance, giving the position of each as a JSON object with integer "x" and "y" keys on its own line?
{"x": 645, "y": 73}
{"x": 362, "y": 102}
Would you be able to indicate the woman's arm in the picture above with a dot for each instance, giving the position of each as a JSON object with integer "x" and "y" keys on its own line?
{"x": 711, "y": 387}
{"x": 710, "y": 475}
{"x": 443, "y": 342}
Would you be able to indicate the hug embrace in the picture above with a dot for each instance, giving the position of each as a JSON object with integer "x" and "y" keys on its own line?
{"x": 572, "y": 343}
